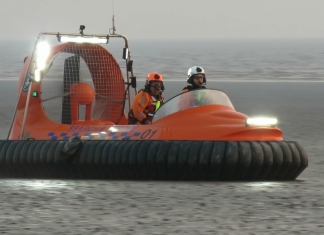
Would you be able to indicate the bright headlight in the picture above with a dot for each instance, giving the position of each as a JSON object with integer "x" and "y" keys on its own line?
{"x": 37, "y": 75}
{"x": 43, "y": 51}
{"x": 261, "y": 121}
{"x": 83, "y": 39}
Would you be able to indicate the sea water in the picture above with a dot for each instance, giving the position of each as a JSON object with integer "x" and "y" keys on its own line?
{"x": 233, "y": 59}
{"x": 279, "y": 77}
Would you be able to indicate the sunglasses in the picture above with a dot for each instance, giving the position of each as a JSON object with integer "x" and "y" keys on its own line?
{"x": 198, "y": 77}
{"x": 156, "y": 84}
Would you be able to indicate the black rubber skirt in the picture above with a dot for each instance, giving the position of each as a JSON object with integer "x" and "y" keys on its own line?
{"x": 152, "y": 160}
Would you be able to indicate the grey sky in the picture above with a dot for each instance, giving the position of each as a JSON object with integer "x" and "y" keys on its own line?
{"x": 165, "y": 18}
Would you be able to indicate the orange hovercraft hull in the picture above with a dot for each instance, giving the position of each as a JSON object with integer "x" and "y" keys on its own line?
{"x": 208, "y": 141}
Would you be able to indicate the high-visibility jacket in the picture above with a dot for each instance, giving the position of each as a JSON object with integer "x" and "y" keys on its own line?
{"x": 144, "y": 107}
{"x": 190, "y": 100}
{"x": 190, "y": 87}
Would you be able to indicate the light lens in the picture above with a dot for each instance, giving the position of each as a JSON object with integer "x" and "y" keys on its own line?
{"x": 43, "y": 51}
{"x": 261, "y": 121}
{"x": 83, "y": 39}
{"x": 35, "y": 94}
{"x": 37, "y": 75}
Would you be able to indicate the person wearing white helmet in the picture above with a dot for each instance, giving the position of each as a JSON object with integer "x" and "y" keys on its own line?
{"x": 196, "y": 78}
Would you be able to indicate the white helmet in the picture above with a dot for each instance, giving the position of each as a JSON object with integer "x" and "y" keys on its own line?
{"x": 195, "y": 70}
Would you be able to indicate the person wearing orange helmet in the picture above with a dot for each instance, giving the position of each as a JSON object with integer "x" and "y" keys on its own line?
{"x": 196, "y": 79}
{"x": 147, "y": 100}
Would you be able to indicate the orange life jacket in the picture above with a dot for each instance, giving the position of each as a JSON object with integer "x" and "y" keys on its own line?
{"x": 146, "y": 110}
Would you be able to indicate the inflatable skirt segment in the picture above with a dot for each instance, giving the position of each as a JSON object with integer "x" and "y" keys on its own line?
{"x": 152, "y": 160}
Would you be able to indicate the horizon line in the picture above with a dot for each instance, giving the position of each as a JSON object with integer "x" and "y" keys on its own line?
{"x": 189, "y": 39}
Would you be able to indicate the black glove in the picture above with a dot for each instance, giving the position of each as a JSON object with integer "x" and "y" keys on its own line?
{"x": 145, "y": 121}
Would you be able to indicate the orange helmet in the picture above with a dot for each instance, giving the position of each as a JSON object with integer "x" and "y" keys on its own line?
{"x": 154, "y": 77}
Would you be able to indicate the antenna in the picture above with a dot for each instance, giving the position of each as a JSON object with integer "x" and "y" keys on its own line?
{"x": 113, "y": 20}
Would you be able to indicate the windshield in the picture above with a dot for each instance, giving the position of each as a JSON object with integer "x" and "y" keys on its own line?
{"x": 192, "y": 99}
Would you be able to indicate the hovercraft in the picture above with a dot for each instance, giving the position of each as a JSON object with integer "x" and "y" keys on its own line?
{"x": 70, "y": 122}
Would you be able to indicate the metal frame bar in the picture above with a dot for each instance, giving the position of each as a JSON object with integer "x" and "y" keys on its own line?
{"x": 31, "y": 81}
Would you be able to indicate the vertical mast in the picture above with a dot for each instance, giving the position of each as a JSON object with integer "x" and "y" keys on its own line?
{"x": 113, "y": 19}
